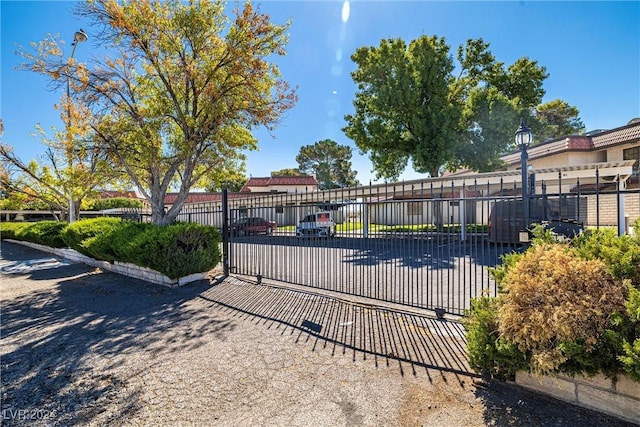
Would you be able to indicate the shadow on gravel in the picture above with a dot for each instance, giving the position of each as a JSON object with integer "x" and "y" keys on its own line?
{"x": 54, "y": 336}
{"x": 365, "y": 331}
{"x": 389, "y": 337}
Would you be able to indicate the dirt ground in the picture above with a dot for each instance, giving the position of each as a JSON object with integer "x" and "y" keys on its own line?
{"x": 81, "y": 346}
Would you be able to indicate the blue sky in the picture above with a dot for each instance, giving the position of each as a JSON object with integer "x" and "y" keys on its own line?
{"x": 590, "y": 49}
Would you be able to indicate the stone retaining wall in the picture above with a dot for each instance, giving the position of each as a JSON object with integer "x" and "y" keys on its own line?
{"x": 620, "y": 397}
{"x": 124, "y": 268}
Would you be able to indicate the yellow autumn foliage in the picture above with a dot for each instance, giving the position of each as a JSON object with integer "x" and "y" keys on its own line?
{"x": 553, "y": 297}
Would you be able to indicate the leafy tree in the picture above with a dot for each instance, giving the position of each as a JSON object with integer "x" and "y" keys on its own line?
{"x": 403, "y": 108}
{"x": 411, "y": 106}
{"x": 179, "y": 98}
{"x": 489, "y": 116}
{"x": 330, "y": 162}
{"x": 232, "y": 181}
{"x": 556, "y": 119}
{"x": 287, "y": 172}
{"x": 70, "y": 167}
{"x": 521, "y": 81}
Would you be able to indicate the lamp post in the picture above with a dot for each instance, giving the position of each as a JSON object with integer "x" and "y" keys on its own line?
{"x": 78, "y": 37}
{"x": 524, "y": 138}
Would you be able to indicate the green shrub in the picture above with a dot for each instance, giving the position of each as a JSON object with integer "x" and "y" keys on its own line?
{"x": 177, "y": 250}
{"x": 572, "y": 308}
{"x": 489, "y": 353}
{"x": 499, "y": 272}
{"x": 78, "y": 232}
{"x": 47, "y": 233}
{"x": 120, "y": 243}
{"x": 13, "y": 230}
{"x": 630, "y": 358}
{"x": 621, "y": 254}
{"x": 174, "y": 250}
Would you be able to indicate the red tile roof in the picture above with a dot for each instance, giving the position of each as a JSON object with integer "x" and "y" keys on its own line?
{"x": 622, "y": 135}
{"x": 171, "y": 198}
{"x": 280, "y": 180}
{"x": 576, "y": 142}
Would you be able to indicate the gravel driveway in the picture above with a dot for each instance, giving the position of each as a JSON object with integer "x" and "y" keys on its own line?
{"x": 84, "y": 347}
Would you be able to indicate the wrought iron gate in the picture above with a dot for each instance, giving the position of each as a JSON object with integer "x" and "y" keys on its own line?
{"x": 427, "y": 244}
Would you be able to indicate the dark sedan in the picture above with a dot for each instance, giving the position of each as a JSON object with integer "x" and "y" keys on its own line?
{"x": 252, "y": 225}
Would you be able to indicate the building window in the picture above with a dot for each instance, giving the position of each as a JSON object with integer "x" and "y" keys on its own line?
{"x": 414, "y": 208}
{"x": 633, "y": 154}
{"x": 279, "y": 209}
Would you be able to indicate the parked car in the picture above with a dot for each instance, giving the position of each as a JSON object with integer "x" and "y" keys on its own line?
{"x": 252, "y": 225}
{"x": 319, "y": 224}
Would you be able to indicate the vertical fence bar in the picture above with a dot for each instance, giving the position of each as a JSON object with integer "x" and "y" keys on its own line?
{"x": 597, "y": 198}
{"x": 578, "y": 217}
{"x": 620, "y": 207}
{"x": 225, "y": 232}
{"x": 452, "y": 243}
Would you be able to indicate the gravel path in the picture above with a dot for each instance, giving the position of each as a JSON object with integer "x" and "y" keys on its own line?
{"x": 84, "y": 347}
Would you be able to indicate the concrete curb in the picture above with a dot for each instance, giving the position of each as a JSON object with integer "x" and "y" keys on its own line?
{"x": 620, "y": 398}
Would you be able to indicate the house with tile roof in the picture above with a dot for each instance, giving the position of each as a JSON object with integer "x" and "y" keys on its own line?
{"x": 281, "y": 184}
{"x": 615, "y": 146}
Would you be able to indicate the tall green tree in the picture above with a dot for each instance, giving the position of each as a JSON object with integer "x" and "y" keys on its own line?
{"x": 403, "y": 107}
{"x": 287, "y": 172}
{"x": 330, "y": 162}
{"x": 489, "y": 117}
{"x": 186, "y": 84}
{"x": 556, "y": 119}
{"x": 415, "y": 103}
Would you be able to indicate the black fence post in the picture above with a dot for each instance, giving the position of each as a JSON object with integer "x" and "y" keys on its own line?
{"x": 597, "y": 198}
{"x": 620, "y": 208}
{"x": 225, "y": 232}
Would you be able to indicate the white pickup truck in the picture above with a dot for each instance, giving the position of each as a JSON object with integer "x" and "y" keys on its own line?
{"x": 318, "y": 224}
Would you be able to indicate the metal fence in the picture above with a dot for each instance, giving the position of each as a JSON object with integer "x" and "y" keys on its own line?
{"x": 427, "y": 244}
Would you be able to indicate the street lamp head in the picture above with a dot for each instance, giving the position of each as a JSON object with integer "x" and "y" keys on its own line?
{"x": 80, "y": 36}
{"x": 524, "y": 138}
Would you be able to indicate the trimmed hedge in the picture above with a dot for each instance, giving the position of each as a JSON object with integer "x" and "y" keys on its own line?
{"x": 13, "y": 230}
{"x": 119, "y": 243}
{"x": 45, "y": 233}
{"x": 175, "y": 250}
{"x": 76, "y": 233}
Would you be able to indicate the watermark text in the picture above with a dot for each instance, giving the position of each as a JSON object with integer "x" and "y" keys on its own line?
{"x": 26, "y": 414}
